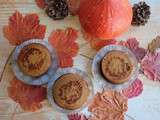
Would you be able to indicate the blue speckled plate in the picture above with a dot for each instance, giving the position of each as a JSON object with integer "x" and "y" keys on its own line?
{"x": 96, "y": 71}
{"x": 58, "y": 74}
{"x": 43, "y": 79}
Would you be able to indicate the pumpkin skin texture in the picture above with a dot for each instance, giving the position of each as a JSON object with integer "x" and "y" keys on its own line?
{"x": 105, "y": 19}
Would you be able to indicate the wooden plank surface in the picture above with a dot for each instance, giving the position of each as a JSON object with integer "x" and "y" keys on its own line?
{"x": 144, "y": 107}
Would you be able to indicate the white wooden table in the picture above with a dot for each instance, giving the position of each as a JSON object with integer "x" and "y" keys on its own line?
{"x": 144, "y": 107}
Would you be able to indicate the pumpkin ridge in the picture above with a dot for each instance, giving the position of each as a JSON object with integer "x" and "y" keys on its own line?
{"x": 106, "y": 19}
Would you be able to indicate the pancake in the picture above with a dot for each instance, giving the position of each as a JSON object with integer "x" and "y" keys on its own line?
{"x": 34, "y": 59}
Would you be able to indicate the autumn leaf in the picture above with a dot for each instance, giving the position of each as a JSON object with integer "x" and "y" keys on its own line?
{"x": 41, "y": 3}
{"x": 97, "y": 43}
{"x": 64, "y": 41}
{"x": 76, "y": 116}
{"x": 122, "y": 43}
{"x": 134, "y": 90}
{"x": 133, "y": 45}
{"x": 154, "y": 44}
{"x": 108, "y": 104}
{"x": 21, "y": 28}
{"x": 29, "y": 97}
{"x": 151, "y": 66}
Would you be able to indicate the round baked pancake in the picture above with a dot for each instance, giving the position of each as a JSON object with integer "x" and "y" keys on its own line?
{"x": 116, "y": 67}
{"x": 70, "y": 91}
{"x": 34, "y": 59}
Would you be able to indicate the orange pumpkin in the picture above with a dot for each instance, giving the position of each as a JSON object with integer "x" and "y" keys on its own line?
{"x": 105, "y": 19}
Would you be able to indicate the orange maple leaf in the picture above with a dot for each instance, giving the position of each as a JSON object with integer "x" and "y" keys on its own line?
{"x": 40, "y": 3}
{"x": 64, "y": 41}
{"x": 29, "y": 97}
{"x": 21, "y": 28}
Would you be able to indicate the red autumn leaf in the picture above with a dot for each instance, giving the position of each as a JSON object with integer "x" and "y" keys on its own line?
{"x": 97, "y": 43}
{"x": 77, "y": 116}
{"x": 134, "y": 90}
{"x": 122, "y": 43}
{"x": 133, "y": 45}
{"x": 64, "y": 41}
{"x": 29, "y": 97}
{"x": 150, "y": 65}
{"x": 21, "y": 28}
{"x": 40, "y": 3}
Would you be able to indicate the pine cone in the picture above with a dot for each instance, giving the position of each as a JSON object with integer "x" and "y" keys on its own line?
{"x": 57, "y": 9}
{"x": 141, "y": 14}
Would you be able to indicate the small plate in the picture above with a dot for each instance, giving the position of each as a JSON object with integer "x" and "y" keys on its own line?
{"x": 43, "y": 79}
{"x": 98, "y": 77}
{"x": 58, "y": 74}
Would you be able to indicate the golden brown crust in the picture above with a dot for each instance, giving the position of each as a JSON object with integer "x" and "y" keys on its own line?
{"x": 34, "y": 59}
{"x": 116, "y": 67}
{"x": 70, "y": 91}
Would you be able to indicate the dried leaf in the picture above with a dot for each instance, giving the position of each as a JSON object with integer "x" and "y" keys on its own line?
{"x": 29, "y": 97}
{"x": 133, "y": 45}
{"x": 97, "y": 43}
{"x": 64, "y": 41}
{"x": 77, "y": 116}
{"x": 24, "y": 28}
{"x": 154, "y": 44}
{"x": 41, "y": 3}
{"x": 134, "y": 90}
{"x": 151, "y": 66}
{"x": 109, "y": 104}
